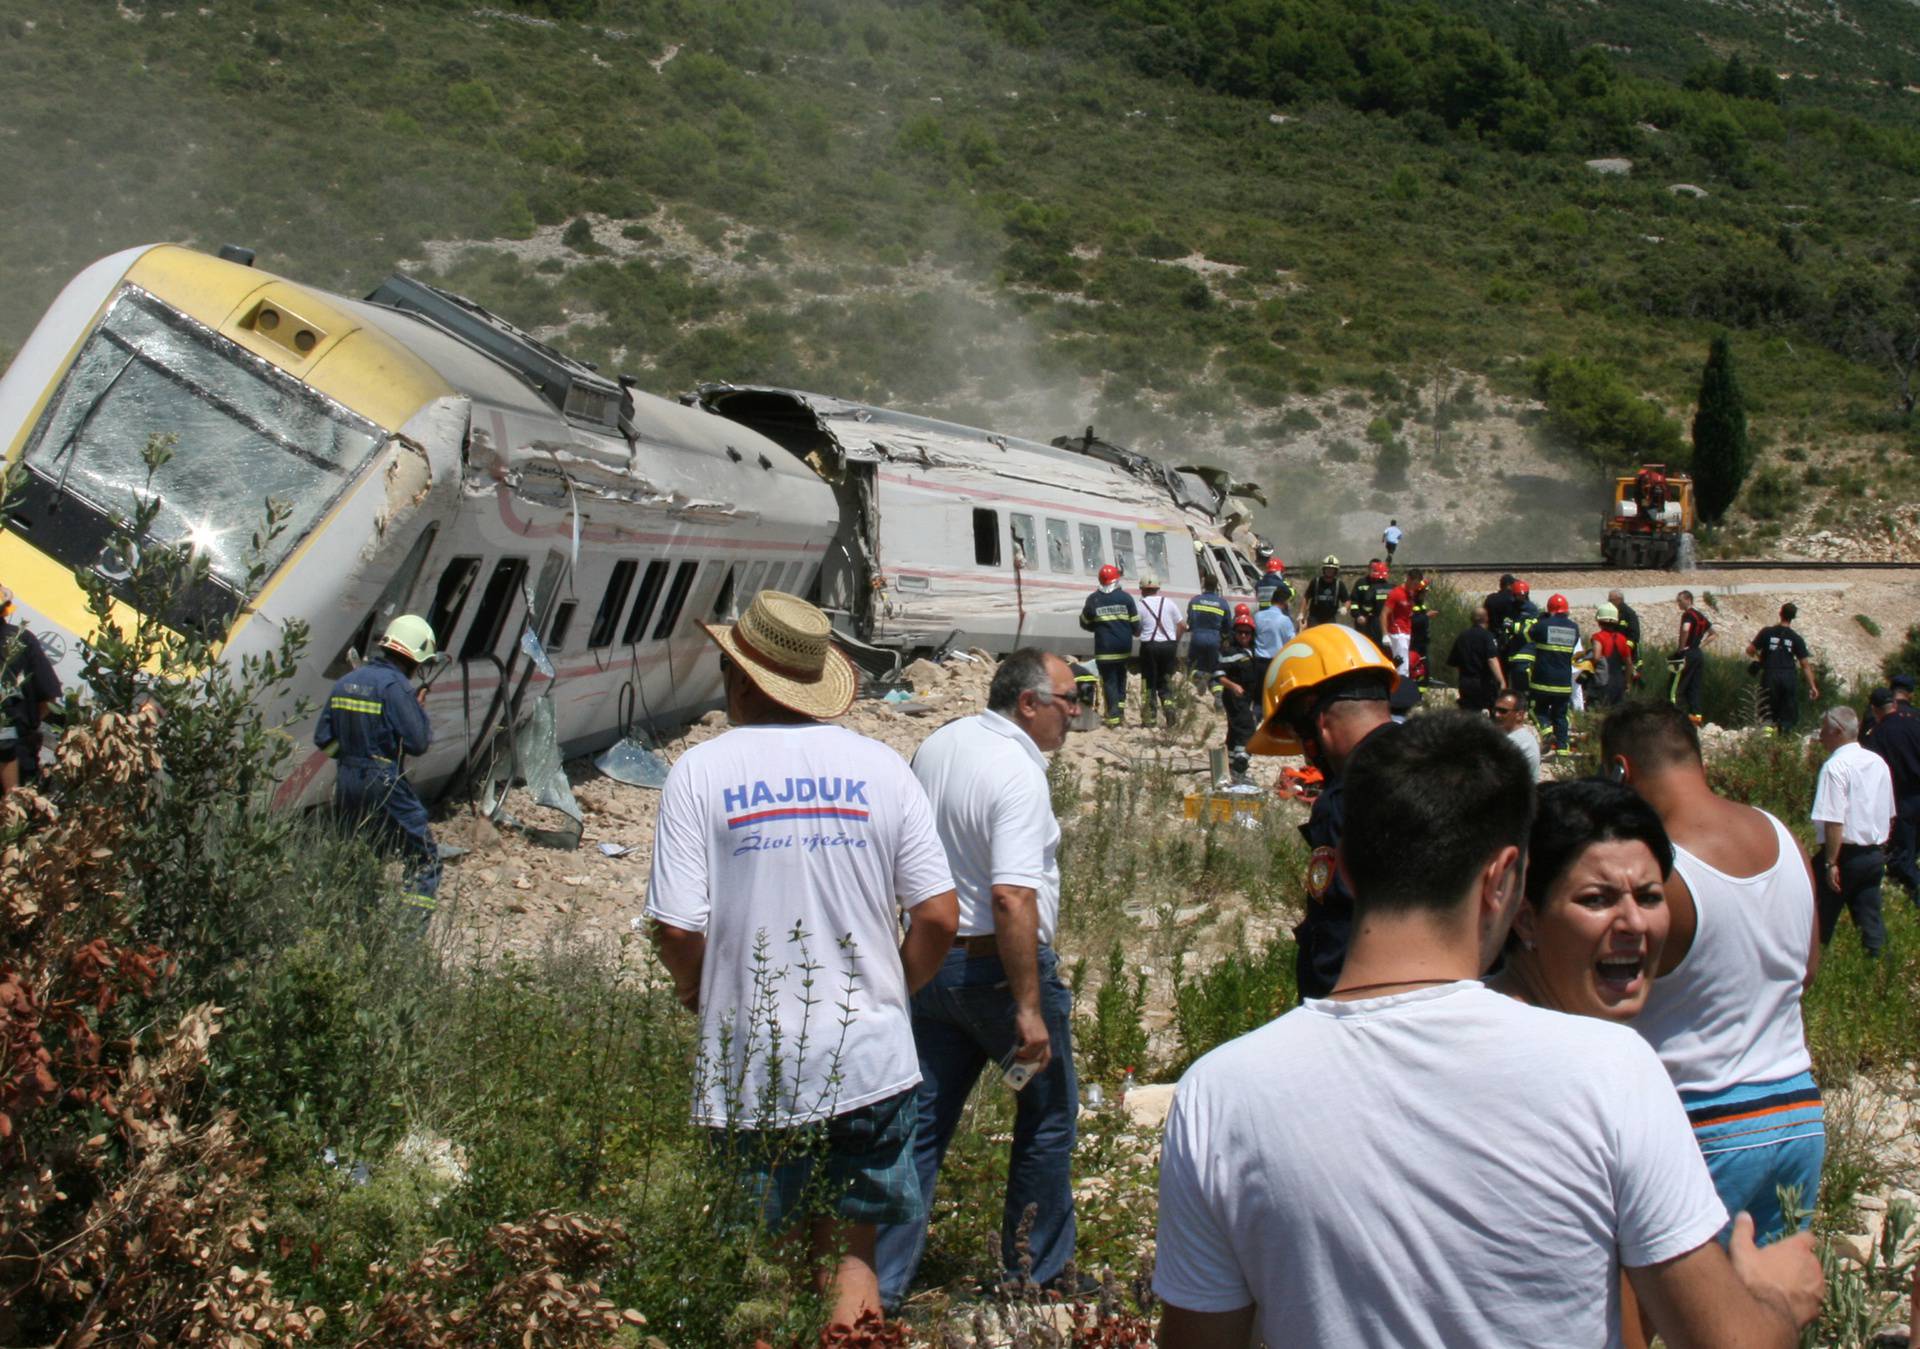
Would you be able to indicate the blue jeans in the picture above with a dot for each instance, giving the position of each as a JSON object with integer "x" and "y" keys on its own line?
{"x": 963, "y": 1023}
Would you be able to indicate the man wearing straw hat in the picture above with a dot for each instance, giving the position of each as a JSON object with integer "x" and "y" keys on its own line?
{"x": 783, "y": 853}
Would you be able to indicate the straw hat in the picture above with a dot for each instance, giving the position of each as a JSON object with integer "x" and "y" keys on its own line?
{"x": 782, "y": 644}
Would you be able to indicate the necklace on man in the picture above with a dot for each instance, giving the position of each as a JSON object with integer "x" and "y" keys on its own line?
{"x": 1391, "y": 983}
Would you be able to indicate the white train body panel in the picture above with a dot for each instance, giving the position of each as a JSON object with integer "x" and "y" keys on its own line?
{"x": 435, "y": 460}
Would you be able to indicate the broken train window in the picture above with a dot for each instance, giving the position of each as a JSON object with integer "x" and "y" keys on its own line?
{"x": 986, "y": 537}
{"x": 1059, "y": 546}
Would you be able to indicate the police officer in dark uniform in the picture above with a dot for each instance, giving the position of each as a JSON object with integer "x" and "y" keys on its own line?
{"x": 1896, "y": 738}
{"x": 1499, "y": 606}
{"x": 1326, "y": 694}
{"x": 374, "y": 716}
{"x": 1206, "y": 625}
{"x": 1114, "y": 620}
{"x": 1783, "y": 657}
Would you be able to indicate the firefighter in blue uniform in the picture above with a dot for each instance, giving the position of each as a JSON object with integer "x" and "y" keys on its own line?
{"x": 1273, "y": 581}
{"x": 1516, "y": 642}
{"x": 1206, "y": 623}
{"x": 1114, "y": 620}
{"x": 1555, "y": 639}
{"x": 374, "y": 716}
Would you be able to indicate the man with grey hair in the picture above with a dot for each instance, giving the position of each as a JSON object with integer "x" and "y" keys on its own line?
{"x": 997, "y": 1002}
{"x": 1853, "y": 805}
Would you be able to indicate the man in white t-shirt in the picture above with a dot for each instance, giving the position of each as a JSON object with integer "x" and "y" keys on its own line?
{"x": 782, "y": 856}
{"x": 1510, "y": 715}
{"x": 1853, "y": 805}
{"x": 1161, "y": 627}
{"x": 1417, "y": 1160}
{"x": 999, "y": 996}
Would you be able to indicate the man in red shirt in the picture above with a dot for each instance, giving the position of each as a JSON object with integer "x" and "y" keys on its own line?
{"x": 1689, "y": 662}
{"x": 1400, "y": 617}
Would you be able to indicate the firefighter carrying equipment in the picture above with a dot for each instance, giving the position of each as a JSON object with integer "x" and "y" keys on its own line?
{"x": 412, "y": 637}
{"x": 1323, "y": 660}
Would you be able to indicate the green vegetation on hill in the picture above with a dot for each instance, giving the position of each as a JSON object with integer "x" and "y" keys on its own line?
{"x": 936, "y": 204}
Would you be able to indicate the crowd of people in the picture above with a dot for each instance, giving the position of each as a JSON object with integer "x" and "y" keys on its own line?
{"x": 1579, "y": 1003}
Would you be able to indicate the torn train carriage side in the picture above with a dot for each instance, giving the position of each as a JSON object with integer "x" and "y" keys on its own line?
{"x": 954, "y": 536}
{"x": 435, "y": 460}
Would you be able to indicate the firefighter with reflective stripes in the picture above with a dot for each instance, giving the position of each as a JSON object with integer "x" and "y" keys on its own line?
{"x": 1114, "y": 620}
{"x": 1516, "y": 645}
{"x": 373, "y": 717}
{"x": 1366, "y": 599}
{"x": 1206, "y": 625}
{"x": 1555, "y": 639}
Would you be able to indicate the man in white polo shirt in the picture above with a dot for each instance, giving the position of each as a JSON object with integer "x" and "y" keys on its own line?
{"x": 1853, "y": 805}
{"x": 998, "y": 1003}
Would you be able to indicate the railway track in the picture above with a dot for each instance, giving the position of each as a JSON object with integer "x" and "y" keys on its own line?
{"x": 1524, "y": 568}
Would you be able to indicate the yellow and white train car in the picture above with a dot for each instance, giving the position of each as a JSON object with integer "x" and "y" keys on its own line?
{"x": 431, "y": 458}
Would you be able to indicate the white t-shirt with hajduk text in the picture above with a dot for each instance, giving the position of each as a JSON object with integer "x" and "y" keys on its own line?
{"x": 793, "y": 848}
{"x": 987, "y": 781}
{"x": 1441, "y": 1167}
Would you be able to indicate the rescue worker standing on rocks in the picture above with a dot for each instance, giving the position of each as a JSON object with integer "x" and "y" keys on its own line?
{"x": 1325, "y": 694}
{"x": 1326, "y": 593}
{"x": 1364, "y": 602}
{"x": 1555, "y": 639}
{"x": 1689, "y": 662}
{"x": 1160, "y": 628}
{"x": 373, "y": 717}
{"x": 1240, "y": 674}
{"x": 1114, "y": 620}
{"x": 1206, "y": 626}
{"x": 1783, "y": 656}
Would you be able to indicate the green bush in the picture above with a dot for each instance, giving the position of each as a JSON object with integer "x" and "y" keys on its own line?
{"x": 1906, "y": 659}
{"x": 1590, "y": 406}
{"x": 1110, "y": 1044}
{"x": 1244, "y": 990}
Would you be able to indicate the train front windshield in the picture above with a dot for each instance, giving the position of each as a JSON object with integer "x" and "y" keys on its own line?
{"x": 246, "y": 431}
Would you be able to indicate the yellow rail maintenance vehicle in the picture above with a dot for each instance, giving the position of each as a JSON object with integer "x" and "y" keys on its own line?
{"x": 1651, "y": 515}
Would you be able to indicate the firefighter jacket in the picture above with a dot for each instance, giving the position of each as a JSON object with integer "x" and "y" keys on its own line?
{"x": 1364, "y": 601}
{"x": 1516, "y": 646}
{"x": 1206, "y": 618}
{"x": 1556, "y": 640}
{"x": 1324, "y": 598}
{"x": 1114, "y": 620}
{"x": 1268, "y": 585}
{"x": 372, "y": 713}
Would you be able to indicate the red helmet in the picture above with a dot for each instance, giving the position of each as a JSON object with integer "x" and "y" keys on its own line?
{"x": 1243, "y": 613}
{"x": 1376, "y": 570}
{"x": 1275, "y": 564}
{"x": 1556, "y": 604}
{"x": 1522, "y": 589}
{"x": 1109, "y": 573}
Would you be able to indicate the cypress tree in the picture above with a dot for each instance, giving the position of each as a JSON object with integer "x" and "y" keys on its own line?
{"x": 1721, "y": 455}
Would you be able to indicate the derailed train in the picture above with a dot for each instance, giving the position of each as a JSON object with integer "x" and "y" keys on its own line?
{"x": 562, "y": 531}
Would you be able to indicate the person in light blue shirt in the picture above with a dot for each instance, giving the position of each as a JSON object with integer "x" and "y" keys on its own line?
{"x": 1272, "y": 629}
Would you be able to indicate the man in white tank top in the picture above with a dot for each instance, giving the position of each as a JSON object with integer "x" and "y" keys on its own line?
{"x": 1724, "y": 1014}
